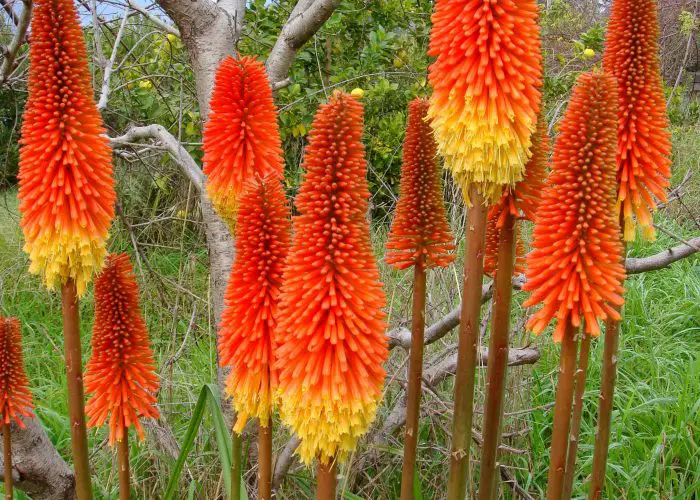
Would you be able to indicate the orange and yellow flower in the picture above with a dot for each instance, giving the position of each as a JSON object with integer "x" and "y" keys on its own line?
{"x": 576, "y": 268}
{"x": 643, "y": 142}
{"x": 486, "y": 83}
{"x": 331, "y": 342}
{"x": 521, "y": 201}
{"x": 15, "y": 396}
{"x": 66, "y": 188}
{"x": 241, "y": 136}
{"x": 420, "y": 227}
{"x": 249, "y": 321}
{"x": 120, "y": 374}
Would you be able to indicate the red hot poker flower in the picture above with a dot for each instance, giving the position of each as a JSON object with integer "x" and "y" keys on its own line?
{"x": 420, "y": 224}
{"x": 241, "y": 136}
{"x": 249, "y": 321}
{"x": 66, "y": 189}
{"x": 486, "y": 83}
{"x": 522, "y": 201}
{"x": 121, "y": 371}
{"x": 15, "y": 397}
{"x": 643, "y": 143}
{"x": 576, "y": 268}
{"x": 331, "y": 338}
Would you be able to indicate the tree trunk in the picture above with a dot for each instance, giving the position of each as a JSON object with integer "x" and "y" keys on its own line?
{"x": 38, "y": 469}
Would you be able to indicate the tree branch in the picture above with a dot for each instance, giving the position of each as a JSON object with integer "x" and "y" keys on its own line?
{"x": 109, "y": 65}
{"x": 168, "y": 28}
{"x": 170, "y": 144}
{"x": 662, "y": 259}
{"x": 401, "y": 337}
{"x": 41, "y": 472}
{"x": 304, "y": 21}
{"x": 10, "y": 52}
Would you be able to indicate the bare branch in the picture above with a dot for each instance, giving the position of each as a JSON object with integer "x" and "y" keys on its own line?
{"x": 170, "y": 144}
{"x": 109, "y": 65}
{"x": 10, "y": 12}
{"x": 446, "y": 368}
{"x": 402, "y": 336}
{"x": 304, "y": 21}
{"x": 168, "y": 28}
{"x": 284, "y": 461}
{"x": 10, "y": 52}
{"x": 662, "y": 259}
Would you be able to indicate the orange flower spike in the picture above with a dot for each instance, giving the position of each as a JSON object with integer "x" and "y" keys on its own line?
{"x": 15, "y": 396}
{"x": 66, "y": 188}
{"x": 576, "y": 268}
{"x": 420, "y": 224}
{"x": 331, "y": 343}
{"x": 644, "y": 142}
{"x": 486, "y": 83}
{"x": 241, "y": 136}
{"x": 249, "y": 320}
{"x": 121, "y": 372}
{"x": 521, "y": 201}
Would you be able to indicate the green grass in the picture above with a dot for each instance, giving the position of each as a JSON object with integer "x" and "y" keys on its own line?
{"x": 654, "y": 449}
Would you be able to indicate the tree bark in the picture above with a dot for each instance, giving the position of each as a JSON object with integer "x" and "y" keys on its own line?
{"x": 37, "y": 468}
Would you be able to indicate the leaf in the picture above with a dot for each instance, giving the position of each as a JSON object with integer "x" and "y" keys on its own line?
{"x": 209, "y": 396}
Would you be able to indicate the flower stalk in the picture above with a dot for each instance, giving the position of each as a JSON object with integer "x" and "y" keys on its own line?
{"x": 581, "y": 375}
{"x": 465, "y": 374}
{"x": 76, "y": 392}
{"x": 497, "y": 360}
{"x": 415, "y": 375}
{"x": 562, "y": 414}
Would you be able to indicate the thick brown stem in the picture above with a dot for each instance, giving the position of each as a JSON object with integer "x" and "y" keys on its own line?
{"x": 76, "y": 398}
{"x": 123, "y": 464}
{"x": 581, "y": 373}
{"x": 497, "y": 361}
{"x": 466, "y": 354}
{"x": 607, "y": 391}
{"x": 415, "y": 374}
{"x": 236, "y": 442}
{"x": 562, "y": 414}
{"x": 7, "y": 456}
{"x": 326, "y": 480}
{"x": 265, "y": 460}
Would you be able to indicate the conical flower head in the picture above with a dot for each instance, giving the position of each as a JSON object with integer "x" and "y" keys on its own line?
{"x": 420, "y": 225}
{"x": 643, "y": 142}
{"x": 120, "y": 374}
{"x": 241, "y": 136}
{"x": 15, "y": 397}
{"x": 521, "y": 201}
{"x": 66, "y": 189}
{"x": 576, "y": 268}
{"x": 331, "y": 342}
{"x": 250, "y": 318}
{"x": 486, "y": 89}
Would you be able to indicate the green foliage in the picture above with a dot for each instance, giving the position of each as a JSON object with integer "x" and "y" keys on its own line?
{"x": 208, "y": 397}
